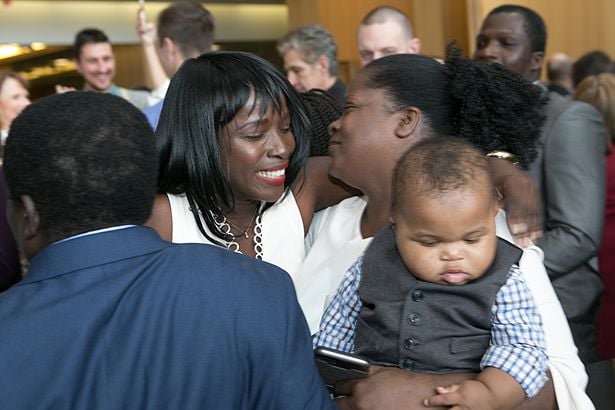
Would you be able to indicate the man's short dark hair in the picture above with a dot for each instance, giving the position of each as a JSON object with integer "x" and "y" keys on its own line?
{"x": 591, "y": 63}
{"x": 189, "y": 25}
{"x": 88, "y": 36}
{"x": 87, "y": 159}
{"x": 535, "y": 27}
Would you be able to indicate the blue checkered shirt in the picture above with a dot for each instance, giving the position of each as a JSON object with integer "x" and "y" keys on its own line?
{"x": 517, "y": 340}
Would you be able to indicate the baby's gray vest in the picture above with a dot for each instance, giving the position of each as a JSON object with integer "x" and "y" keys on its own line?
{"x": 422, "y": 326}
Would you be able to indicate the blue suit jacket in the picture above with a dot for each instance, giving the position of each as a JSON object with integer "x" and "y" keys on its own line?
{"x": 124, "y": 320}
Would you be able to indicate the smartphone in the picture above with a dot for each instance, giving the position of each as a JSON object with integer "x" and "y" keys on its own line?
{"x": 335, "y": 366}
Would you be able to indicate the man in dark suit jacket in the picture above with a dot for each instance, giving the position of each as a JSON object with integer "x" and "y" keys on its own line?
{"x": 569, "y": 170}
{"x": 570, "y": 173}
{"x": 110, "y": 316}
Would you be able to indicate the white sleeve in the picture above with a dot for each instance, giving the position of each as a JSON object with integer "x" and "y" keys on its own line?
{"x": 567, "y": 370}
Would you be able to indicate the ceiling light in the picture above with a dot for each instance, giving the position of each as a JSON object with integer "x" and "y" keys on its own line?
{"x": 38, "y": 46}
{"x": 8, "y": 50}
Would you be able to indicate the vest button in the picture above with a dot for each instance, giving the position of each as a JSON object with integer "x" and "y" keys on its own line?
{"x": 414, "y": 319}
{"x": 417, "y": 295}
{"x": 408, "y": 364}
{"x": 410, "y": 343}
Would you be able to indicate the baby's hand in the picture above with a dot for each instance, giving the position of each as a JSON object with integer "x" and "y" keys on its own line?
{"x": 448, "y": 389}
{"x": 469, "y": 395}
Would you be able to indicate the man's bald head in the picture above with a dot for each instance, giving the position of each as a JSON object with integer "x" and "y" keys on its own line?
{"x": 559, "y": 67}
{"x": 384, "y": 31}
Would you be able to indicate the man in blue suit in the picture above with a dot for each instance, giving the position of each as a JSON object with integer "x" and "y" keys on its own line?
{"x": 110, "y": 316}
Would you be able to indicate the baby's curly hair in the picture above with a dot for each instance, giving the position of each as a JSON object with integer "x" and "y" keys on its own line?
{"x": 322, "y": 109}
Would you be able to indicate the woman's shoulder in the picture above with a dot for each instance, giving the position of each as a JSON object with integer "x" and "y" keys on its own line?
{"x": 160, "y": 219}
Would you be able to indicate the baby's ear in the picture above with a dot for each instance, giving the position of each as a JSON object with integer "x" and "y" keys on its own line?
{"x": 409, "y": 119}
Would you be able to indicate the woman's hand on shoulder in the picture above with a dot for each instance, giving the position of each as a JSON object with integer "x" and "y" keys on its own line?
{"x": 521, "y": 200}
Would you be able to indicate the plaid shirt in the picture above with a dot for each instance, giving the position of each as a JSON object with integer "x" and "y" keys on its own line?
{"x": 517, "y": 339}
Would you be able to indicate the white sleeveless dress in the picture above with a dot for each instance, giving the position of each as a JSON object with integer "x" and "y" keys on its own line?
{"x": 333, "y": 243}
{"x": 282, "y": 228}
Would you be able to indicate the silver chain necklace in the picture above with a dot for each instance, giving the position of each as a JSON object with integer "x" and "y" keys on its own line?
{"x": 232, "y": 245}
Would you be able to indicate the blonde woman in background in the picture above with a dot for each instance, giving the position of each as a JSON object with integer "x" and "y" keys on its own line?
{"x": 599, "y": 91}
{"x": 14, "y": 97}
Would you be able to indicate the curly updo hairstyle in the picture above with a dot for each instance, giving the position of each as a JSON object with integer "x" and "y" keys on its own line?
{"x": 486, "y": 104}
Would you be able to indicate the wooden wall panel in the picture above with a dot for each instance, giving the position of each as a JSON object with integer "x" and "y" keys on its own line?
{"x": 341, "y": 18}
{"x": 428, "y": 22}
{"x": 439, "y": 22}
{"x": 436, "y": 23}
{"x": 574, "y": 26}
{"x": 130, "y": 66}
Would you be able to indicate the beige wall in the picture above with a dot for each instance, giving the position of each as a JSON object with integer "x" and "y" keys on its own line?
{"x": 249, "y": 26}
{"x": 436, "y": 23}
{"x": 341, "y": 18}
{"x": 56, "y": 22}
{"x": 574, "y": 26}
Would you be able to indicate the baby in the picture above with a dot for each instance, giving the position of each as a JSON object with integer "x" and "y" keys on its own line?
{"x": 437, "y": 291}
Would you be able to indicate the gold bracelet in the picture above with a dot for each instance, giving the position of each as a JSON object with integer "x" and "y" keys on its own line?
{"x": 512, "y": 158}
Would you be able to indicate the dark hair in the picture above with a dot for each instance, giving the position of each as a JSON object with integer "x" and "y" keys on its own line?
{"x": 322, "y": 109}
{"x": 486, "y": 104}
{"x": 87, "y": 36}
{"x": 204, "y": 96}
{"x": 534, "y": 26}
{"x": 592, "y": 63}
{"x": 189, "y": 25}
{"x": 434, "y": 166}
{"x": 87, "y": 159}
